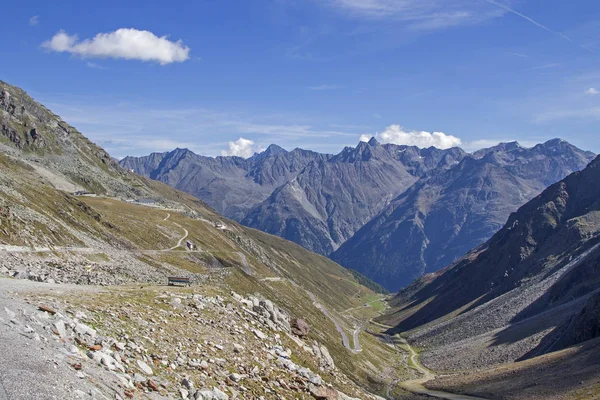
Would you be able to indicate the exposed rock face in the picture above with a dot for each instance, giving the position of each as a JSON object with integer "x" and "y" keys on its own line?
{"x": 444, "y": 216}
{"x": 231, "y": 185}
{"x": 38, "y": 136}
{"x": 329, "y": 200}
{"x": 581, "y": 326}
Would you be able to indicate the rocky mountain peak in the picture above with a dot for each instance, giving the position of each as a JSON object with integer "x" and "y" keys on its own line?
{"x": 373, "y": 142}
{"x": 504, "y": 147}
{"x": 182, "y": 153}
{"x": 274, "y": 149}
{"x": 555, "y": 146}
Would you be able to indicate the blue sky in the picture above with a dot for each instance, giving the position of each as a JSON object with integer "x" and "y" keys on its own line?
{"x": 137, "y": 77}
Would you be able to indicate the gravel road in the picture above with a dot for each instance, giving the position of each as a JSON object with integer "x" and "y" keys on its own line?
{"x": 185, "y": 235}
{"x": 33, "y": 368}
{"x": 416, "y": 385}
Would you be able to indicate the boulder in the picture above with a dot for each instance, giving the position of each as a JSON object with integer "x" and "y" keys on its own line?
{"x": 326, "y": 357}
{"x": 267, "y": 305}
{"x": 323, "y": 393}
{"x": 259, "y": 334}
{"x": 145, "y": 368}
{"x": 21, "y": 275}
{"x": 59, "y": 328}
{"x": 300, "y": 327}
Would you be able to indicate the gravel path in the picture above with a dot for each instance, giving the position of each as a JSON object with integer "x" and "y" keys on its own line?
{"x": 416, "y": 386}
{"x": 32, "y": 368}
{"x": 357, "y": 346}
{"x": 185, "y": 235}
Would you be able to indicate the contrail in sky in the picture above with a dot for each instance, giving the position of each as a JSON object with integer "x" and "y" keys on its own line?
{"x": 525, "y": 17}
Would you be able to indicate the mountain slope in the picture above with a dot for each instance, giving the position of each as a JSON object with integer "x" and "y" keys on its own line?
{"x": 442, "y": 217}
{"x": 529, "y": 290}
{"x": 47, "y": 233}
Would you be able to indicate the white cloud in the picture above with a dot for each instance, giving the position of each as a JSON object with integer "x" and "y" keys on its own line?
{"x": 540, "y": 67}
{"x": 33, "y": 21}
{"x": 397, "y": 135}
{"x": 592, "y": 91}
{"x": 244, "y": 148}
{"x": 129, "y": 44}
{"x": 420, "y": 14}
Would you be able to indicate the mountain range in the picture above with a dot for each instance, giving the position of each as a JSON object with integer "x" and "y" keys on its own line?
{"x": 88, "y": 248}
{"x": 390, "y": 212}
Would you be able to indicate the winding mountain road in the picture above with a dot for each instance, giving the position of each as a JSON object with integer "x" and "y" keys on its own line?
{"x": 417, "y": 385}
{"x": 345, "y": 341}
{"x": 338, "y": 327}
{"x": 186, "y": 233}
{"x": 357, "y": 346}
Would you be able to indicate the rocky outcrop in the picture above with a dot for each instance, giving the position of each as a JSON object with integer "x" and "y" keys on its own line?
{"x": 36, "y": 135}
{"x": 266, "y": 312}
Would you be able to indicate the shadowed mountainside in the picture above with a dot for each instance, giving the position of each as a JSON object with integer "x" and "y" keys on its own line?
{"x": 531, "y": 289}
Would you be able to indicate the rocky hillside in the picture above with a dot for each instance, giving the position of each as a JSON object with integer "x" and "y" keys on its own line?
{"x": 444, "y": 216}
{"x": 531, "y": 289}
{"x": 70, "y": 215}
{"x": 57, "y": 151}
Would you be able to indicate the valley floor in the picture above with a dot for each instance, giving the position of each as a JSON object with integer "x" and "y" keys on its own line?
{"x": 571, "y": 374}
